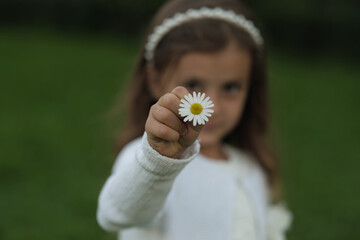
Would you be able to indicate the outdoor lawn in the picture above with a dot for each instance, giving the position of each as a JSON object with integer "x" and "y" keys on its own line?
{"x": 56, "y": 149}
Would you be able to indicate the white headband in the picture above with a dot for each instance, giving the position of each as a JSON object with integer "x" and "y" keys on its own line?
{"x": 191, "y": 14}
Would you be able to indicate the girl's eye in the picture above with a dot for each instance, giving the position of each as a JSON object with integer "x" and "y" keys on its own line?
{"x": 193, "y": 85}
{"x": 232, "y": 88}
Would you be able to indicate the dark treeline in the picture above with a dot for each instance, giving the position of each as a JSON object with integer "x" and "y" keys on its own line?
{"x": 308, "y": 26}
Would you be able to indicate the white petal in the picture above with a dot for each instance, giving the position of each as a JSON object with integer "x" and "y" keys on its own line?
{"x": 207, "y": 114}
{"x": 189, "y": 98}
{"x": 208, "y": 110}
{"x": 194, "y": 95}
{"x": 208, "y": 102}
{"x": 194, "y": 122}
{"x": 184, "y": 110}
{"x": 185, "y": 105}
{"x": 192, "y": 100}
{"x": 201, "y": 121}
{"x": 198, "y": 120}
{"x": 191, "y": 117}
{"x": 184, "y": 101}
{"x": 183, "y": 114}
{"x": 208, "y": 105}
{"x": 211, "y": 105}
{"x": 202, "y": 97}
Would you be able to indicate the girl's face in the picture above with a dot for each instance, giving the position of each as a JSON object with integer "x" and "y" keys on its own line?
{"x": 224, "y": 76}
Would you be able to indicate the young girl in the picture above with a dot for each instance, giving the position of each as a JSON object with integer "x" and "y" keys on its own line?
{"x": 173, "y": 180}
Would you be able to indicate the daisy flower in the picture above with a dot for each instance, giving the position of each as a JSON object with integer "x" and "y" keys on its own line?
{"x": 196, "y": 108}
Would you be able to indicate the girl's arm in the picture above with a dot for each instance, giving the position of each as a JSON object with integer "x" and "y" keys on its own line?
{"x": 139, "y": 185}
{"x": 145, "y": 170}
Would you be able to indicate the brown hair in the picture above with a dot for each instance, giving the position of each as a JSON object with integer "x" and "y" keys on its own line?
{"x": 207, "y": 35}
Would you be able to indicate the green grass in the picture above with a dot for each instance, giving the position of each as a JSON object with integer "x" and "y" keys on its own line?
{"x": 56, "y": 150}
{"x": 316, "y": 105}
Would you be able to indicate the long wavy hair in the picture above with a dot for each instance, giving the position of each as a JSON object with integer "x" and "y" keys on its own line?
{"x": 207, "y": 35}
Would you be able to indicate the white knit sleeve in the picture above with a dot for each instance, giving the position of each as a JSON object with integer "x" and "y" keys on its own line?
{"x": 278, "y": 221}
{"x": 137, "y": 189}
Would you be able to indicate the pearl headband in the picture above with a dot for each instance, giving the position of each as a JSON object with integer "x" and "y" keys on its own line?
{"x": 192, "y": 14}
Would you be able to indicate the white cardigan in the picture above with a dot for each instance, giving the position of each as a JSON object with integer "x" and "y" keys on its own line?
{"x": 153, "y": 197}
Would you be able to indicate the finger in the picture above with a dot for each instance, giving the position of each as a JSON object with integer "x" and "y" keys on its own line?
{"x": 156, "y": 129}
{"x": 167, "y": 117}
{"x": 180, "y": 92}
{"x": 172, "y": 102}
{"x": 191, "y": 135}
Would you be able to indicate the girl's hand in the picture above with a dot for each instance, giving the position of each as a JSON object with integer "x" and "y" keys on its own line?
{"x": 166, "y": 131}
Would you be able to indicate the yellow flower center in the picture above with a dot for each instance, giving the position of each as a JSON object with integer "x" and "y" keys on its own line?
{"x": 196, "y": 108}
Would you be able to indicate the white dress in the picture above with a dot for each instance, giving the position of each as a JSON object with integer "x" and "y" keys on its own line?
{"x": 149, "y": 196}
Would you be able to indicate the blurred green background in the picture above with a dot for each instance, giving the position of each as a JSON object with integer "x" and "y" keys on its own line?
{"x": 63, "y": 64}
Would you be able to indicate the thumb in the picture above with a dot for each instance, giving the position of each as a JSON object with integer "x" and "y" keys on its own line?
{"x": 191, "y": 134}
